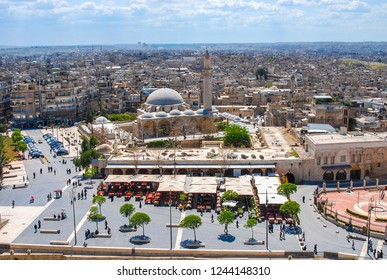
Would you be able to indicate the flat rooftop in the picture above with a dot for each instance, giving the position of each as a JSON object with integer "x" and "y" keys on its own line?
{"x": 337, "y": 138}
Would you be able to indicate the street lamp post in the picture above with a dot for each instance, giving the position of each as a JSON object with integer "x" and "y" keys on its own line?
{"x": 170, "y": 218}
{"x": 72, "y": 197}
{"x": 267, "y": 218}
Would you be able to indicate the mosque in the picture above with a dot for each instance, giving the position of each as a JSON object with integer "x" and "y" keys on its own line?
{"x": 165, "y": 114}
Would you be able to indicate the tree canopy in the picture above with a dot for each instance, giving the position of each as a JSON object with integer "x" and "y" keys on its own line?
{"x": 250, "y": 223}
{"x": 140, "y": 219}
{"x": 287, "y": 189}
{"x": 94, "y": 215}
{"x": 127, "y": 210}
{"x": 225, "y": 218}
{"x": 99, "y": 200}
{"x": 230, "y": 195}
{"x": 4, "y": 159}
{"x": 237, "y": 136}
{"x": 191, "y": 222}
{"x": 121, "y": 117}
{"x": 88, "y": 152}
{"x": 291, "y": 208}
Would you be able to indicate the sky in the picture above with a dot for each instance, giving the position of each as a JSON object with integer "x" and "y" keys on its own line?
{"x": 85, "y": 22}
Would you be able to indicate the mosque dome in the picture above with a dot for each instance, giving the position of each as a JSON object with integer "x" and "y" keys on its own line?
{"x": 164, "y": 97}
{"x": 161, "y": 114}
{"x": 200, "y": 112}
{"x": 102, "y": 120}
{"x": 189, "y": 112}
{"x": 175, "y": 112}
{"x": 146, "y": 116}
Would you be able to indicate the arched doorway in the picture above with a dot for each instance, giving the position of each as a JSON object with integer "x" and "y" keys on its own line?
{"x": 229, "y": 173}
{"x": 143, "y": 171}
{"x": 130, "y": 171}
{"x": 156, "y": 171}
{"x": 245, "y": 172}
{"x": 328, "y": 175}
{"x": 269, "y": 171}
{"x": 355, "y": 173}
{"x": 212, "y": 172}
{"x": 341, "y": 175}
{"x": 117, "y": 172}
{"x": 197, "y": 172}
{"x": 182, "y": 172}
{"x": 290, "y": 178}
{"x": 258, "y": 171}
{"x": 167, "y": 171}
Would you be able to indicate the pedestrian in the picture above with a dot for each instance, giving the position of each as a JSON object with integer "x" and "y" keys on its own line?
{"x": 54, "y": 171}
{"x": 237, "y": 224}
{"x": 39, "y": 224}
{"x": 79, "y": 196}
{"x": 315, "y": 249}
{"x": 41, "y": 170}
{"x": 109, "y": 230}
{"x": 303, "y": 236}
{"x": 303, "y": 199}
{"x": 13, "y": 203}
{"x": 381, "y": 254}
{"x": 106, "y": 224}
{"x": 140, "y": 204}
{"x": 34, "y": 174}
{"x": 353, "y": 244}
{"x": 24, "y": 178}
{"x": 36, "y": 228}
{"x": 212, "y": 218}
{"x": 370, "y": 245}
{"x": 374, "y": 253}
{"x": 86, "y": 234}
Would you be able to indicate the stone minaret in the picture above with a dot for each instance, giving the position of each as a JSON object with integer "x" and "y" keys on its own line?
{"x": 207, "y": 88}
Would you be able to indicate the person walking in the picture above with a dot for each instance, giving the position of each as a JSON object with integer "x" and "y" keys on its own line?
{"x": 13, "y": 203}
{"x": 36, "y": 228}
{"x": 315, "y": 249}
{"x": 34, "y": 175}
{"x": 237, "y": 224}
{"x": 212, "y": 218}
{"x": 106, "y": 224}
{"x": 41, "y": 170}
{"x": 353, "y": 244}
{"x": 39, "y": 224}
{"x": 303, "y": 199}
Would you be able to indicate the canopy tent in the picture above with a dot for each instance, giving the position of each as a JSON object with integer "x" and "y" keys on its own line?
{"x": 268, "y": 186}
{"x": 201, "y": 185}
{"x": 118, "y": 178}
{"x": 202, "y": 189}
{"x": 240, "y": 185}
{"x": 172, "y": 183}
{"x": 152, "y": 178}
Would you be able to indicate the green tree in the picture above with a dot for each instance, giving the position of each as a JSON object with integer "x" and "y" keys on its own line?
{"x": 127, "y": 210}
{"x": 251, "y": 223}
{"x": 4, "y": 159}
{"x": 94, "y": 215}
{"x": 230, "y": 195}
{"x": 287, "y": 189}
{"x": 99, "y": 200}
{"x": 291, "y": 208}
{"x": 225, "y": 218}
{"x": 191, "y": 222}
{"x": 3, "y": 128}
{"x": 236, "y": 136}
{"x": 21, "y": 146}
{"x": 16, "y": 136}
{"x": 140, "y": 219}
{"x": 121, "y": 117}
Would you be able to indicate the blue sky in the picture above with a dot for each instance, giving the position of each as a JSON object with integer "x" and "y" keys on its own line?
{"x": 72, "y": 22}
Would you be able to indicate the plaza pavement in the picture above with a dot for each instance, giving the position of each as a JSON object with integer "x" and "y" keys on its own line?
{"x": 22, "y": 218}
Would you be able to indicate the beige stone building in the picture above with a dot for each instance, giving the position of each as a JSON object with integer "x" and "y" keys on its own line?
{"x": 346, "y": 156}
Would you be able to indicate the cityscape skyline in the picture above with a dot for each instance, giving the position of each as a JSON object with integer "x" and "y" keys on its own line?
{"x": 81, "y": 22}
